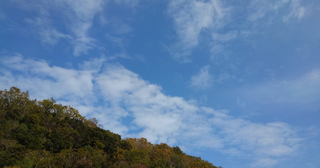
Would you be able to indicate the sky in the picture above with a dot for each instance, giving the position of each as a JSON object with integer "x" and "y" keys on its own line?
{"x": 234, "y": 82}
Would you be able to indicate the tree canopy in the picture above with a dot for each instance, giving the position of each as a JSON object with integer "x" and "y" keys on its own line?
{"x": 46, "y": 134}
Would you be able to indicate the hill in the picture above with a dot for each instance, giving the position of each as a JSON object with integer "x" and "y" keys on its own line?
{"x": 45, "y": 134}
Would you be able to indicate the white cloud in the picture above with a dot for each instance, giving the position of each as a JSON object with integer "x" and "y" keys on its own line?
{"x": 262, "y": 142}
{"x": 191, "y": 18}
{"x": 112, "y": 93}
{"x": 203, "y": 79}
{"x": 46, "y": 81}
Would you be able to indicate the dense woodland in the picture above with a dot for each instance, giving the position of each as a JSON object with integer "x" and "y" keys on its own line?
{"x": 45, "y": 134}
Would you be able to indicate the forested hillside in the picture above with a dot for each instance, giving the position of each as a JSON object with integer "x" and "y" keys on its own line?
{"x": 45, "y": 134}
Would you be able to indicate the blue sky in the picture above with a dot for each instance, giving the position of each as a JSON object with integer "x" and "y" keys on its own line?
{"x": 234, "y": 82}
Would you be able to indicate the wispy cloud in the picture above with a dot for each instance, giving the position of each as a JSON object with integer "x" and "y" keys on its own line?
{"x": 154, "y": 115}
{"x": 43, "y": 27}
{"x": 195, "y": 21}
{"x": 225, "y": 37}
{"x": 261, "y": 8}
{"x": 81, "y": 17}
{"x": 190, "y": 19}
{"x": 77, "y": 15}
{"x": 304, "y": 89}
{"x": 203, "y": 79}
{"x": 296, "y": 11}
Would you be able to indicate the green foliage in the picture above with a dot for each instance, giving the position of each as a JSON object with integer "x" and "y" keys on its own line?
{"x": 134, "y": 156}
{"x": 45, "y": 134}
{"x": 177, "y": 150}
